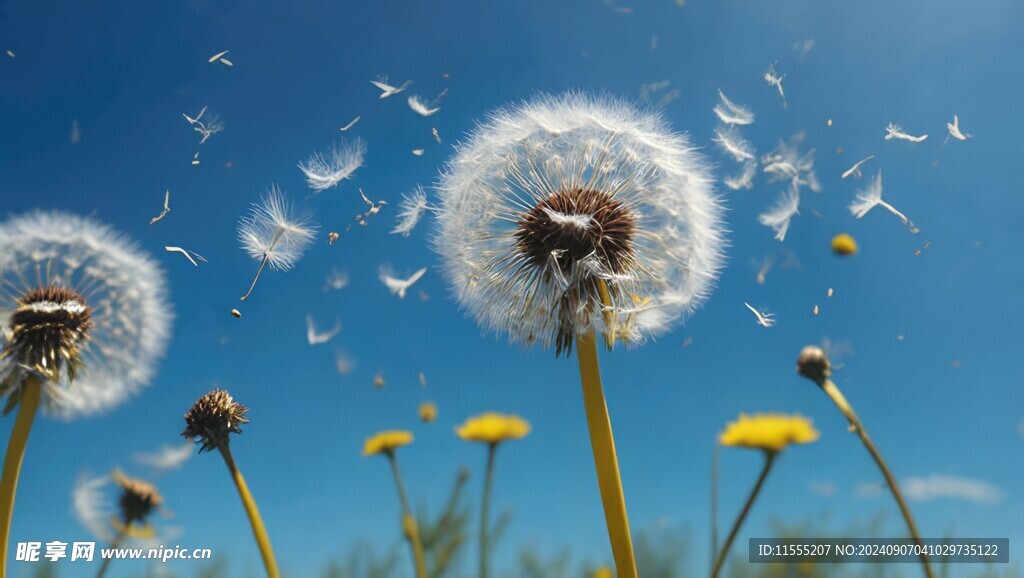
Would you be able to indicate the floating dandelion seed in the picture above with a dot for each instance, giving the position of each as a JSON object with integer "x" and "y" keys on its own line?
{"x": 565, "y": 216}
{"x": 388, "y": 90}
{"x": 745, "y": 179}
{"x": 190, "y": 255}
{"x": 210, "y": 422}
{"x": 893, "y": 131}
{"x": 206, "y": 128}
{"x": 954, "y": 130}
{"x": 336, "y": 280}
{"x": 167, "y": 208}
{"x": 396, "y": 285}
{"x": 771, "y": 434}
{"x": 351, "y": 124}
{"x": 732, "y": 113}
{"x": 785, "y": 163}
{"x": 410, "y": 211}
{"x": 418, "y": 152}
{"x": 314, "y": 337}
{"x": 275, "y": 234}
{"x": 83, "y": 319}
{"x": 421, "y": 108}
{"x": 763, "y": 319}
{"x": 779, "y": 216}
{"x": 218, "y": 56}
{"x": 774, "y": 79}
{"x": 732, "y": 142}
{"x": 855, "y": 169}
{"x": 326, "y": 171}
{"x": 871, "y": 197}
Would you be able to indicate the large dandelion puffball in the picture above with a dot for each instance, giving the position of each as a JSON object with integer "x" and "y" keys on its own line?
{"x": 569, "y": 213}
{"x": 54, "y": 263}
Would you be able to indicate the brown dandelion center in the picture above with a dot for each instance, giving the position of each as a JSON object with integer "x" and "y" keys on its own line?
{"x": 48, "y": 328}
{"x": 138, "y": 498}
{"x": 572, "y": 224}
{"x": 212, "y": 418}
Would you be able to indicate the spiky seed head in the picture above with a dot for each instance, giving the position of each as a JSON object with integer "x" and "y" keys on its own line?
{"x": 138, "y": 498}
{"x": 49, "y": 327}
{"x": 813, "y": 364}
{"x": 212, "y": 418}
{"x": 569, "y": 214}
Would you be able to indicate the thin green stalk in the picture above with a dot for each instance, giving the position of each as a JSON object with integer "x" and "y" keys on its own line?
{"x": 839, "y": 400}
{"x": 116, "y": 543}
{"x": 409, "y": 525}
{"x": 602, "y": 443}
{"x": 27, "y": 406}
{"x": 769, "y": 459}
{"x": 485, "y": 508}
{"x": 258, "y": 529}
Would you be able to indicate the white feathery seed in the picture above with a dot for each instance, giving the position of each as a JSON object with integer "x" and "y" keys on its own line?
{"x": 274, "y": 233}
{"x": 324, "y": 171}
{"x": 871, "y": 196}
{"x": 410, "y": 211}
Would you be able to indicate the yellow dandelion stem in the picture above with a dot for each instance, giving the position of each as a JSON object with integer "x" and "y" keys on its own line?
{"x": 258, "y": 529}
{"x": 27, "y": 407}
{"x": 409, "y": 526}
{"x": 603, "y": 444}
{"x": 769, "y": 459}
{"x": 839, "y": 400}
{"x": 485, "y": 507}
{"x": 609, "y": 315}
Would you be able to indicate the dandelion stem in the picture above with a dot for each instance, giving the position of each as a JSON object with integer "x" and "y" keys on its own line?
{"x": 115, "y": 543}
{"x": 409, "y": 525}
{"x": 29, "y": 403}
{"x": 769, "y": 459}
{"x": 263, "y": 264}
{"x": 258, "y": 529}
{"x": 485, "y": 508}
{"x": 605, "y": 460}
{"x": 837, "y": 398}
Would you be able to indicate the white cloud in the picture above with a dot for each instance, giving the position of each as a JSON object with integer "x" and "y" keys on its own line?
{"x": 167, "y": 457}
{"x": 868, "y": 490}
{"x": 941, "y": 486}
{"x": 822, "y": 488}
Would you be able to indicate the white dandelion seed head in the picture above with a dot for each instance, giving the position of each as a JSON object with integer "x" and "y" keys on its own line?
{"x": 555, "y": 201}
{"x": 121, "y": 284}
{"x": 274, "y": 230}
{"x": 324, "y": 171}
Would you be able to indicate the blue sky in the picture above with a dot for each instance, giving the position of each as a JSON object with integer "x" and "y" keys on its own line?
{"x": 945, "y": 400}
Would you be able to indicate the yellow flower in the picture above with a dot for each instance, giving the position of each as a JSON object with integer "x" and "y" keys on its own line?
{"x": 769, "y": 432}
{"x": 603, "y": 572}
{"x": 844, "y": 244}
{"x": 386, "y": 441}
{"x": 428, "y": 412}
{"x": 493, "y": 428}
